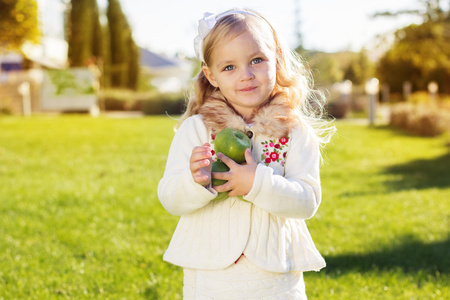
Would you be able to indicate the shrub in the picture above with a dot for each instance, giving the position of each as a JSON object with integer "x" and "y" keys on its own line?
{"x": 150, "y": 103}
{"x": 420, "y": 119}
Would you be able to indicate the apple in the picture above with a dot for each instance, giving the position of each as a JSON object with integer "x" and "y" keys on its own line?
{"x": 232, "y": 143}
{"x": 219, "y": 166}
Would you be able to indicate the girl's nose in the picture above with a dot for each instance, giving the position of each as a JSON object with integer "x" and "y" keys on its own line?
{"x": 247, "y": 74}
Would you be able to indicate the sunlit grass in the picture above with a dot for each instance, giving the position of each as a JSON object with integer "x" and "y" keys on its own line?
{"x": 79, "y": 215}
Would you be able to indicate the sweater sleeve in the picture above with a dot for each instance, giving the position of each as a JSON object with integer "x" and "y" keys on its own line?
{"x": 177, "y": 191}
{"x": 297, "y": 194}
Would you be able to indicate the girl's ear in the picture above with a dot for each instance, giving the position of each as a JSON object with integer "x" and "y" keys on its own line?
{"x": 209, "y": 75}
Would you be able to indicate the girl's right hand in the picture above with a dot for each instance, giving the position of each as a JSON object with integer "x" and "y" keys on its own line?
{"x": 201, "y": 164}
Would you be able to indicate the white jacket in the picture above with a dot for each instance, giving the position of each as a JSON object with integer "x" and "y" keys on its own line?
{"x": 269, "y": 229}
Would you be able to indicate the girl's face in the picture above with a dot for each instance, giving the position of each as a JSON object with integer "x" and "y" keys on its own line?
{"x": 244, "y": 70}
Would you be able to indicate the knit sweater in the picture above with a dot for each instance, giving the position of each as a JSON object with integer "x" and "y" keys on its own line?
{"x": 269, "y": 227}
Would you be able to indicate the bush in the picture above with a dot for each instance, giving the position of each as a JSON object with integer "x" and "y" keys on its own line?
{"x": 420, "y": 119}
{"x": 150, "y": 103}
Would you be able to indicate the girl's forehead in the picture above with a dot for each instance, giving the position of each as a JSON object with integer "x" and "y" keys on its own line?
{"x": 247, "y": 37}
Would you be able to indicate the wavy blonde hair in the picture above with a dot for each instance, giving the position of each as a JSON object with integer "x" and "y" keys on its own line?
{"x": 294, "y": 82}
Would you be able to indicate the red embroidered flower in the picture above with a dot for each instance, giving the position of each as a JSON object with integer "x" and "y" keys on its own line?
{"x": 213, "y": 152}
{"x": 271, "y": 144}
{"x": 274, "y": 156}
{"x": 277, "y": 146}
{"x": 213, "y": 137}
{"x": 284, "y": 154}
{"x": 268, "y": 160}
{"x": 284, "y": 141}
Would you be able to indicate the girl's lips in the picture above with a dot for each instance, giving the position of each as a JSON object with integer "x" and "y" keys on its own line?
{"x": 248, "y": 89}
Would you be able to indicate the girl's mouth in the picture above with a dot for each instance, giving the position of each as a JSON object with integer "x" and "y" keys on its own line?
{"x": 248, "y": 89}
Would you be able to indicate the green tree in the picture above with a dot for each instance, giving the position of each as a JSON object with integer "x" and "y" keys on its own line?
{"x": 324, "y": 66}
{"x": 84, "y": 33}
{"x": 420, "y": 53}
{"x": 18, "y": 23}
{"x": 359, "y": 69}
{"x": 123, "y": 64}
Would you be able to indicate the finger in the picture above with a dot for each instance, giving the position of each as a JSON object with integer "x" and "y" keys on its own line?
{"x": 201, "y": 179}
{"x": 222, "y": 188}
{"x": 248, "y": 156}
{"x": 228, "y": 161}
{"x": 199, "y": 153}
{"x": 197, "y": 165}
{"x": 221, "y": 175}
{"x": 205, "y": 148}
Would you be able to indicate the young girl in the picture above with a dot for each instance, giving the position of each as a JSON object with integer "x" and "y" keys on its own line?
{"x": 255, "y": 247}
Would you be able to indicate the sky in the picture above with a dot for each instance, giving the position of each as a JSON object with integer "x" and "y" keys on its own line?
{"x": 170, "y": 26}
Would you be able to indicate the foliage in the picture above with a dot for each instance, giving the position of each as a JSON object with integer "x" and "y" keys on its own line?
{"x": 150, "y": 103}
{"x": 421, "y": 119}
{"x": 324, "y": 67}
{"x": 18, "y": 23}
{"x": 81, "y": 38}
{"x": 360, "y": 69}
{"x": 80, "y": 216}
{"x": 420, "y": 53}
{"x": 111, "y": 49}
{"x": 66, "y": 82}
{"x": 124, "y": 59}
{"x": 328, "y": 68}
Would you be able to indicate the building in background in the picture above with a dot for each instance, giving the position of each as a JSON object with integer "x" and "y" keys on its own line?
{"x": 168, "y": 75}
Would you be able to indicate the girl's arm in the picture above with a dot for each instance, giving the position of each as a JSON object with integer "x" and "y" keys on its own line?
{"x": 177, "y": 190}
{"x": 297, "y": 194}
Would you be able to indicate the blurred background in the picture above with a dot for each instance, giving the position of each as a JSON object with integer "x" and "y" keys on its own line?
{"x": 136, "y": 56}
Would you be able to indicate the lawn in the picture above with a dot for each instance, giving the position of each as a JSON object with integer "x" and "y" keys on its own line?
{"x": 79, "y": 215}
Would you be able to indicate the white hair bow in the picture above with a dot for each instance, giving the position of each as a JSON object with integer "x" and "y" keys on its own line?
{"x": 206, "y": 24}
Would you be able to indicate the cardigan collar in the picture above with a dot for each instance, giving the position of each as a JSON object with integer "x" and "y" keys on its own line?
{"x": 275, "y": 119}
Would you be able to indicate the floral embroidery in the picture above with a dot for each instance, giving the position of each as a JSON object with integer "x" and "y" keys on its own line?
{"x": 213, "y": 138}
{"x": 275, "y": 150}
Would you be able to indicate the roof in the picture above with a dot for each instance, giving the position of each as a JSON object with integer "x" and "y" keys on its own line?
{"x": 154, "y": 60}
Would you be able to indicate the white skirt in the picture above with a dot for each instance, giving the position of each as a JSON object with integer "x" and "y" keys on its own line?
{"x": 242, "y": 280}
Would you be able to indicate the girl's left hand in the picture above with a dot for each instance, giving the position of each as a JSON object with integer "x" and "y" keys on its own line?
{"x": 240, "y": 177}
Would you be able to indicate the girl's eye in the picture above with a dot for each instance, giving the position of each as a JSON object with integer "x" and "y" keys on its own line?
{"x": 256, "y": 61}
{"x": 228, "y": 68}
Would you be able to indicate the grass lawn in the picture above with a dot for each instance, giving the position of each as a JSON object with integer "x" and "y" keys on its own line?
{"x": 80, "y": 218}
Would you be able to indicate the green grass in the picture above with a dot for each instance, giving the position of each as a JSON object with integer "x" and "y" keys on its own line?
{"x": 80, "y": 218}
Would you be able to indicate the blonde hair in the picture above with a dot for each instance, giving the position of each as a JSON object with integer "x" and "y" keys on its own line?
{"x": 293, "y": 81}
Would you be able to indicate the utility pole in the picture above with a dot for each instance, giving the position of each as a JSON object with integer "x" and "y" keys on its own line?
{"x": 298, "y": 23}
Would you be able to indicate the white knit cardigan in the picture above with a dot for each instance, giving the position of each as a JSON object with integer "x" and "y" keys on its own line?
{"x": 269, "y": 229}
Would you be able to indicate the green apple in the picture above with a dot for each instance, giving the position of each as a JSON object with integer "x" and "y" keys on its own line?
{"x": 219, "y": 166}
{"x": 232, "y": 143}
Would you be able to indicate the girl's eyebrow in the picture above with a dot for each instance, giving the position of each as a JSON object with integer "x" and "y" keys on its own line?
{"x": 224, "y": 63}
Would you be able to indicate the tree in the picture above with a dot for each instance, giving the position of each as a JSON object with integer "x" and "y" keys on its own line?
{"x": 359, "y": 69}
{"x": 420, "y": 53}
{"x": 111, "y": 47}
{"x": 84, "y": 32}
{"x": 325, "y": 66}
{"x": 123, "y": 50}
{"x": 18, "y": 23}
{"x": 432, "y": 12}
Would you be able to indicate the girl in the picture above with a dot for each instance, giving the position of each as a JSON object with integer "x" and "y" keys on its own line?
{"x": 259, "y": 247}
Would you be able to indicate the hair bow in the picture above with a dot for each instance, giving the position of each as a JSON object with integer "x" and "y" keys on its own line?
{"x": 206, "y": 24}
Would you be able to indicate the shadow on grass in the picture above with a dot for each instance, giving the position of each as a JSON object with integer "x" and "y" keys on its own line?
{"x": 421, "y": 174}
{"x": 410, "y": 255}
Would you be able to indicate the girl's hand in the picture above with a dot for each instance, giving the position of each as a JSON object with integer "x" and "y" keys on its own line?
{"x": 240, "y": 177}
{"x": 201, "y": 163}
